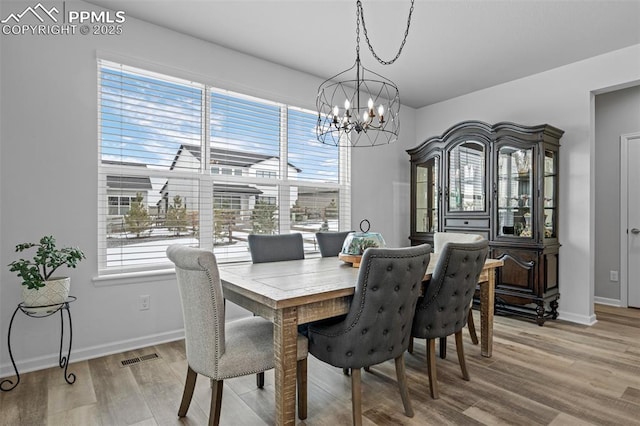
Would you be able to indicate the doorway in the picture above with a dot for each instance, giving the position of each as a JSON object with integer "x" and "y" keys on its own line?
{"x": 630, "y": 220}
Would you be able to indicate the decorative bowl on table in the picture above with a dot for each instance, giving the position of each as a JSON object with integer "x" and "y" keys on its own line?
{"x": 357, "y": 242}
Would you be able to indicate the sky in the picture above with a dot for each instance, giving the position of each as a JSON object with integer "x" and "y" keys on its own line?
{"x": 145, "y": 120}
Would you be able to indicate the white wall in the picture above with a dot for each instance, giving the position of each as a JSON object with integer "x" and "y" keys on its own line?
{"x": 380, "y": 185}
{"x": 48, "y": 174}
{"x": 562, "y": 97}
{"x": 616, "y": 113}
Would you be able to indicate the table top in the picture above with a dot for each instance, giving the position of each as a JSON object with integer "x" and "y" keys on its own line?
{"x": 296, "y": 282}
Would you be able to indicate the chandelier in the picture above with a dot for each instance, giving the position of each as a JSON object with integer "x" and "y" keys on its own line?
{"x": 364, "y": 111}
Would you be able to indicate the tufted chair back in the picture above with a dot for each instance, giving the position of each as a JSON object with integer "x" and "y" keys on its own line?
{"x": 442, "y": 238}
{"x": 330, "y": 243}
{"x": 445, "y": 305}
{"x": 275, "y": 248}
{"x": 378, "y": 324}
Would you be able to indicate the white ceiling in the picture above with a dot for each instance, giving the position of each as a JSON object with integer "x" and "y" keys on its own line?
{"x": 454, "y": 46}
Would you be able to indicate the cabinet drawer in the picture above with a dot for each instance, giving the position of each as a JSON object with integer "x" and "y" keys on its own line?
{"x": 467, "y": 223}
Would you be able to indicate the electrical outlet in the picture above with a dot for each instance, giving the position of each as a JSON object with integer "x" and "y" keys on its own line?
{"x": 144, "y": 302}
{"x": 613, "y": 276}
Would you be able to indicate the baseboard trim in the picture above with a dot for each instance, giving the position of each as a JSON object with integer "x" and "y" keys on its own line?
{"x": 608, "y": 302}
{"x": 82, "y": 354}
{"x": 579, "y": 319}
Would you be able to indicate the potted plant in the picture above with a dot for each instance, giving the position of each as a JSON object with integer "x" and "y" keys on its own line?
{"x": 41, "y": 288}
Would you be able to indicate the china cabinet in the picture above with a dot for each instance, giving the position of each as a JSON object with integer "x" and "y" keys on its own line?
{"x": 499, "y": 181}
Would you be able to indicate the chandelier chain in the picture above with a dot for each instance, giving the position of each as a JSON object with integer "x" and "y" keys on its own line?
{"x": 360, "y": 13}
{"x": 358, "y": 30}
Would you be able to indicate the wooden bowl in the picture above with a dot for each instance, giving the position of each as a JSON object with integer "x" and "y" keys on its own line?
{"x": 354, "y": 259}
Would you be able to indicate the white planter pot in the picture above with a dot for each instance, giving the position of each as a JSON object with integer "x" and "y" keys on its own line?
{"x": 47, "y": 298}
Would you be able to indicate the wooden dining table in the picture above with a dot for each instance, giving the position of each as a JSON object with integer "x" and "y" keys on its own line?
{"x": 296, "y": 292}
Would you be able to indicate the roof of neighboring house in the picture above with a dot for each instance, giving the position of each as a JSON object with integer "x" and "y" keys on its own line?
{"x": 227, "y": 157}
{"x": 129, "y": 182}
{"x": 235, "y": 189}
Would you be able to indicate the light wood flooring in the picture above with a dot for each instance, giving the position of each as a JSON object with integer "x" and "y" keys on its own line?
{"x": 559, "y": 374}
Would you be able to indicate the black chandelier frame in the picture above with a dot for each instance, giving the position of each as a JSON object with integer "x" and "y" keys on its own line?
{"x": 359, "y": 124}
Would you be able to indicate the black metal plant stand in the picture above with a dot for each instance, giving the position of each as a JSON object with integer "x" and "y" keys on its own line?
{"x": 42, "y": 312}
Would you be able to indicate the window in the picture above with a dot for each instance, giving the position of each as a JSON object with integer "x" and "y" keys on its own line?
{"x": 269, "y": 174}
{"x": 226, "y": 171}
{"x": 232, "y": 202}
{"x": 183, "y": 162}
{"x": 119, "y": 206}
{"x": 267, "y": 200}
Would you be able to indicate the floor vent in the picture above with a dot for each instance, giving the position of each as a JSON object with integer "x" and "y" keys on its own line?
{"x": 131, "y": 361}
{"x": 148, "y": 357}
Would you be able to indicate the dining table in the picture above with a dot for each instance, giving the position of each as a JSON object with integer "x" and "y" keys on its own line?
{"x": 294, "y": 292}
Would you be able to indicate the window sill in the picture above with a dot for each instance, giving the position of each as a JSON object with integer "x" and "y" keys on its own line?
{"x": 134, "y": 277}
{"x": 128, "y": 278}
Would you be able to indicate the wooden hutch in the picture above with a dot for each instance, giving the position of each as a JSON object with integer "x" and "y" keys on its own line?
{"x": 500, "y": 181}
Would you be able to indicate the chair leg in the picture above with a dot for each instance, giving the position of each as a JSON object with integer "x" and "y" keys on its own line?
{"x": 410, "y": 348}
{"x": 356, "y": 397}
{"x": 302, "y": 388}
{"x": 431, "y": 368}
{"x": 402, "y": 384}
{"x": 189, "y": 386}
{"x": 216, "y": 402}
{"x": 472, "y": 327}
{"x": 460, "y": 350}
{"x": 260, "y": 380}
{"x": 443, "y": 347}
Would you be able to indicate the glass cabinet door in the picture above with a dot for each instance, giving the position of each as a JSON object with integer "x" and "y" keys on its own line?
{"x": 550, "y": 194}
{"x": 466, "y": 191}
{"x": 514, "y": 192}
{"x": 427, "y": 196}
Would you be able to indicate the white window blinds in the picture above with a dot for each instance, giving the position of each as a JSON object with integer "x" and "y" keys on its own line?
{"x": 150, "y": 138}
{"x": 182, "y": 162}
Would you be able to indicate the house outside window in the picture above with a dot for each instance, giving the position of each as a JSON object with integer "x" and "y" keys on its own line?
{"x": 180, "y": 164}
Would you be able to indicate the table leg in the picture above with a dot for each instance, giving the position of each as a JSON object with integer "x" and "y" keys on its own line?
{"x": 285, "y": 337}
{"x": 487, "y": 300}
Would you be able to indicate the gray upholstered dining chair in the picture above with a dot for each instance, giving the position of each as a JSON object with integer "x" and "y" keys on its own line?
{"x": 274, "y": 248}
{"x": 439, "y": 240}
{"x": 444, "y": 307}
{"x": 330, "y": 243}
{"x": 216, "y": 349}
{"x": 378, "y": 325}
